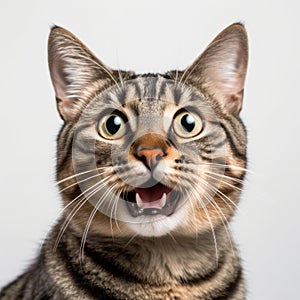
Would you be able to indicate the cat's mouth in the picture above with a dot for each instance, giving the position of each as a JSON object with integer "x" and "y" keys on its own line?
{"x": 154, "y": 200}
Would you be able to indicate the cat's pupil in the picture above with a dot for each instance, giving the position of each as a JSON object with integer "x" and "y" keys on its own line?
{"x": 113, "y": 124}
{"x": 188, "y": 122}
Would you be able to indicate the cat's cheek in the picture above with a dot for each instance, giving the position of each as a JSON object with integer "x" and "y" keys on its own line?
{"x": 165, "y": 173}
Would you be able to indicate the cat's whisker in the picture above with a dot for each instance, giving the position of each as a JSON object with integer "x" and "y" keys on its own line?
{"x": 81, "y": 181}
{"x": 219, "y": 166}
{"x": 96, "y": 207}
{"x": 224, "y": 219}
{"x": 182, "y": 77}
{"x": 226, "y": 166}
{"x": 78, "y": 174}
{"x": 219, "y": 211}
{"x": 194, "y": 192}
{"x": 115, "y": 205}
{"x": 67, "y": 221}
{"x": 130, "y": 240}
{"x": 114, "y": 210}
{"x": 172, "y": 237}
{"x": 84, "y": 235}
{"x": 81, "y": 194}
{"x": 220, "y": 194}
{"x": 91, "y": 217}
{"x": 216, "y": 191}
{"x": 120, "y": 77}
{"x": 176, "y": 79}
{"x": 211, "y": 174}
{"x": 77, "y": 207}
{"x": 194, "y": 213}
{"x": 224, "y": 176}
{"x": 224, "y": 181}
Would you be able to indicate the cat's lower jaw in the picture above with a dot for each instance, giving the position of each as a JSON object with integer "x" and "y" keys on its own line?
{"x": 165, "y": 203}
{"x": 155, "y": 225}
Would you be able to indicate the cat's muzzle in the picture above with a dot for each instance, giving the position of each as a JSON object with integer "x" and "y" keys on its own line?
{"x": 154, "y": 200}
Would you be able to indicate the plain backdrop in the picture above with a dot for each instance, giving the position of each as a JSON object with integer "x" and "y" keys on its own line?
{"x": 155, "y": 36}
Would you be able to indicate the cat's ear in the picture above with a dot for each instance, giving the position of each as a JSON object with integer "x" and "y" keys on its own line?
{"x": 73, "y": 68}
{"x": 221, "y": 69}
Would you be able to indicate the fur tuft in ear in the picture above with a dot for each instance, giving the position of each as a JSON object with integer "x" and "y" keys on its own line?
{"x": 73, "y": 68}
{"x": 221, "y": 69}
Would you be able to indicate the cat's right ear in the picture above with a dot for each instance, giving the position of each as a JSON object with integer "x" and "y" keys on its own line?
{"x": 221, "y": 69}
{"x": 73, "y": 69}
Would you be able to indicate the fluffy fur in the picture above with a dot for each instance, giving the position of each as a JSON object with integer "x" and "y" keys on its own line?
{"x": 98, "y": 249}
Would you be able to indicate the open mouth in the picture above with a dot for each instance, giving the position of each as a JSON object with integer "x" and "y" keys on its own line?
{"x": 155, "y": 200}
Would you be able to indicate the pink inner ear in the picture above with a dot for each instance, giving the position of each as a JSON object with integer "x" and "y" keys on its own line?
{"x": 221, "y": 69}
{"x": 59, "y": 85}
{"x": 225, "y": 76}
{"x": 228, "y": 83}
{"x": 228, "y": 71}
{"x": 65, "y": 106}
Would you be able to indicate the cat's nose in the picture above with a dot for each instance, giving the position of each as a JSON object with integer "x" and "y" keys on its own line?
{"x": 150, "y": 157}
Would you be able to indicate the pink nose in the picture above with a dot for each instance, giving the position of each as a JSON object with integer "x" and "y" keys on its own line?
{"x": 150, "y": 157}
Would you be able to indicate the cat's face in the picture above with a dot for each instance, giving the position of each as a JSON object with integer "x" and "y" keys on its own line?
{"x": 150, "y": 154}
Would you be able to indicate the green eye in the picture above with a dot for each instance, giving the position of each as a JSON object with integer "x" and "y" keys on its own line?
{"x": 112, "y": 127}
{"x": 187, "y": 125}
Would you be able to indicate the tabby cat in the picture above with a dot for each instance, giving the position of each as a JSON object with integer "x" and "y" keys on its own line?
{"x": 150, "y": 170}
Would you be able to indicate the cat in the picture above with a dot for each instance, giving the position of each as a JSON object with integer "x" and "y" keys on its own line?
{"x": 150, "y": 170}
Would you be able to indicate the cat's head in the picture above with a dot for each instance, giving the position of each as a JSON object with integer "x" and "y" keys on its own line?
{"x": 150, "y": 154}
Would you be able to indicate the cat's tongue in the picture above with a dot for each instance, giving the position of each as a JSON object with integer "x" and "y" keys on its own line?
{"x": 152, "y": 197}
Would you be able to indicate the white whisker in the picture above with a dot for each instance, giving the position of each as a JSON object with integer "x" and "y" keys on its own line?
{"x": 78, "y": 206}
{"x": 173, "y": 237}
{"x": 91, "y": 217}
{"x": 223, "y": 181}
{"x": 194, "y": 192}
{"x": 121, "y": 78}
{"x": 194, "y": 212}
{"x": 220, "y": 194}
{"x": 81, "y": 181}
{"x": 130, "y": 240}
{"x": 219, "y": 211}
{"x": 216, "y": 191}
{"x": 78, "y": 174}
{"x": 114, "y": 211}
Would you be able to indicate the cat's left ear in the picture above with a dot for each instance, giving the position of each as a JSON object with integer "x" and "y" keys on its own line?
{"x": 221, "y": 69}
{"x": 73, "y": 69}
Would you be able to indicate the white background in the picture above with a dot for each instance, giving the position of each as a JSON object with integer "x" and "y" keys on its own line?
{"x": 155, "y": 36}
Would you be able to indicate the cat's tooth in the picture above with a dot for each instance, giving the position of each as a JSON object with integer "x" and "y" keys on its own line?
{"x": 138, "y": 200}
{"x": 163, "y": 200}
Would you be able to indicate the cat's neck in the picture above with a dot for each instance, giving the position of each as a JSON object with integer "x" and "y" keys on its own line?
{"x": 168, "y": 259}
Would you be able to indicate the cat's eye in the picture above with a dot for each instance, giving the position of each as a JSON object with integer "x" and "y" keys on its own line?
{"x": 187, "y": 124}
{"x": 112, "y": 126}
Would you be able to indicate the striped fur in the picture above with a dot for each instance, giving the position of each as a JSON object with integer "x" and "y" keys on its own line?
{"x": 106, "y": 253}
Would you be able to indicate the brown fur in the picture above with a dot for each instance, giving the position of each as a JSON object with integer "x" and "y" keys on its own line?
{"x": 94, "y": 255}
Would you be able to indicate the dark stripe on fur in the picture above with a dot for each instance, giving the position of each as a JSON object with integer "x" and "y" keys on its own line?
{"x": 196, "y": 280}
{"x": 108, "y": 264}
{"x": 177, "y": 95}
{"x": 232, "y": 144}
{"x": 64, "y": 151}
{"x": 81, "y": 280}
{"x": 232, "y": 288}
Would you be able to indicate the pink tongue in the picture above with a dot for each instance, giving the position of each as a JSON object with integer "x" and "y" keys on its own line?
{"x": 153, "y": 193}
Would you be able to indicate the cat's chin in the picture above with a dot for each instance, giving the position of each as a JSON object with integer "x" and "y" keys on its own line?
{"x": 153, "y": 218}
{"x": 157, "y": 225}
